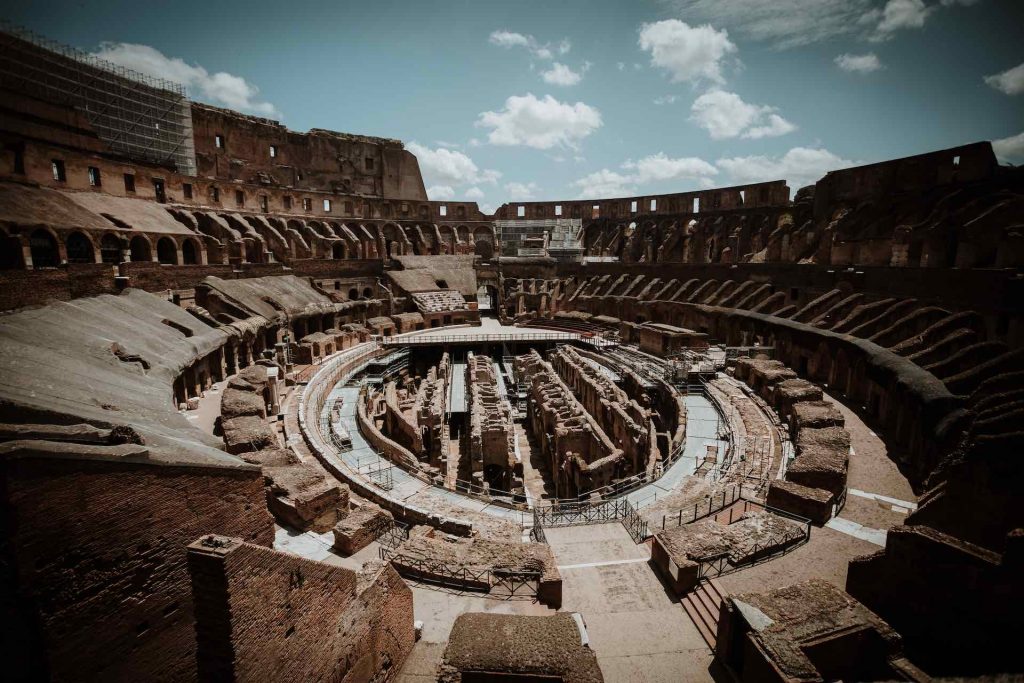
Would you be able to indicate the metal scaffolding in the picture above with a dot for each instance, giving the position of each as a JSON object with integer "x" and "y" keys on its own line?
{"x": 137, "y": 116}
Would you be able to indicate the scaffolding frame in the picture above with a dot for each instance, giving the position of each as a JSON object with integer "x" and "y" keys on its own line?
{"x": 136, "y": 116}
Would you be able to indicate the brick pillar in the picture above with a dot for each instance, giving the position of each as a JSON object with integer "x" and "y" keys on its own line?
{"x": 207, "y": 557}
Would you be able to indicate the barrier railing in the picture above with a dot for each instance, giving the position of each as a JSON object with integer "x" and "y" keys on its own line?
{"x": 577, "y": 514}
{"x": 719, "y": 563}
{"x": 553, "y": 336}
{"x": 714, "y": 505}
{"x": 508, "y": 583}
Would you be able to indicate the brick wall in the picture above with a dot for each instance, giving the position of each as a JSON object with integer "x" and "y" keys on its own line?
{"x": 35, "y": 287}
{"x": 98, "y": 553}
{"x": 266, "y": 615}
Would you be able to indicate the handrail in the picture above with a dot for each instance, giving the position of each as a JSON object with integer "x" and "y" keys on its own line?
{"x": 552, "y": 336}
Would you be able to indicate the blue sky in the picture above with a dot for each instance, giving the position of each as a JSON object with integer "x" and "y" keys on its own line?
{"x": 561, "y": 99}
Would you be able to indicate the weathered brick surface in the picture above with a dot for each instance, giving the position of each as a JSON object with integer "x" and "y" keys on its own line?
{"x": 266, "y": 615}
{"x": 98, "y": 551}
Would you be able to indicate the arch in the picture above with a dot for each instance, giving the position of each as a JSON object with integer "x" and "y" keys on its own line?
{"x": 367, "y": 293}
{"x": 166, "y": 251}
{"x": 189, "y": 252}
{"x": 140, "y": 249}
{"x": 43, "y": 246}
{"x": 11, "y": 255}
{"x": 484, "y": 249}
{"x": 338, "y": 250}
{"x": 79, "y": 248}
{"x": 110, "y": 249}
{"x": 353, "y": 294}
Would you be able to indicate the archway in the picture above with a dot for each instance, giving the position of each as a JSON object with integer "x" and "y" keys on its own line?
{"x": 79, "y": 248}
{"x": 338, "y": 250}
{"x": 189, "y": 253}
{"x": 166, "y": 252}
{"x": 139, "y": 248}
{"x": 353, "y": 294}
{"x": 110, "y": 249}
{"x": 10, "y": 252}
{"x": 43, "y": 246}
{"x": 367, "y": 293}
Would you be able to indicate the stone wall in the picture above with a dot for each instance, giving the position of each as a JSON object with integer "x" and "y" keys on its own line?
{"x": 263, "y": 614}
{"x": 96, "y": 543}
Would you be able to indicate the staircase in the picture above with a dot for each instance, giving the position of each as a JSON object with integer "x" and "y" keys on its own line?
{"x": 703, "y": 606}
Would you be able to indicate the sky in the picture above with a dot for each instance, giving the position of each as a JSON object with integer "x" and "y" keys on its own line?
{"x": 565, "y": 99}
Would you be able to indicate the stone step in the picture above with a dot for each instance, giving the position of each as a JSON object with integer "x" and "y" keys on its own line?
{"x": 700, "y": 621}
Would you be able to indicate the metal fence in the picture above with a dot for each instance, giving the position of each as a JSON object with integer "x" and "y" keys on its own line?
{"x": 577, "y": 514}
{"x": 550, "y": 337}
{"x": 720, "y": 563}
{"x": 701, "y": 510}
{"x": 507, "y": 583}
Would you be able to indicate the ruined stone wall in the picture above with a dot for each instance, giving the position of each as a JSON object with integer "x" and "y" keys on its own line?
{"x": 97, "y": 552}
{"x": 624, "y": 420}
{"x": 263, "y": 614}
{"x": 491, "y": 437}
{"x": 580, "y": 455}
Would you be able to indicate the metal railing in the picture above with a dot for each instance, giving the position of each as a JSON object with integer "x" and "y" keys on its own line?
{"x": 720, "y": 563}
{"x": 552, "y": 336}
{"x": 578, "y": 514}
{"x": 499, "y": 582}
{"x": 714, "y": 505}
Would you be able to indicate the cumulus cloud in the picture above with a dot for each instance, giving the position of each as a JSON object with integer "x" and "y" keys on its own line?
{"x": 725, "y": 115}
{"x": 1010, "y": 81}
{"x": 439, "y": 192}
{"x": 473, "y": 193}
{"x": 449, "y": 168}
{"x": 800, "y": 166}
{"x": 897, "y": 15}
{"x": 687, "y": 53}
{"x": 605, "y": 183}
{"x": 665, "y": 99}
{"x": 521, "y": 192}
{"x": 510, "y": 39}
{"x": 560, "y": 74}
{"x": 540, "y": 123}
{"x": 659, "y": 167}
{"x": 219, "y": 88}
{"x": 653, "y": 168}
{"x": 1010, "y": 150}
{"x": 861, "y": 64}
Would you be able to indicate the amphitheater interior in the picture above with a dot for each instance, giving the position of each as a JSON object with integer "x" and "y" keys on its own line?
{"x": 268, "y": 413}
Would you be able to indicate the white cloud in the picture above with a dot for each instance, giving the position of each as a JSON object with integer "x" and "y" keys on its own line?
{"x": 725, "y": 115}
{"x": 219, "y": 88}
{"x": 791, "y": 23}
{"x": 604, "y": 183}
{"x": 800, "y": 166}
{"x": 898, "y": 15}
{"x": 1010, "y": 150}
{"x": 653, "y": 168}
{"x": 438, "y": 192}
{"x": 449, "y": 168}
{"x": 1010, "y": 81}
{"x": 510, "y": 39}
{"x": 861, "y": 64}
{"x": 658, "y": 167}
{"x": 521, "y": 192}
{"x": 473, "y": 193}
{"x": 784, "y": 23}
{"x": 621, "y": 66}
{"x": 540, "y": 123}
{"x": 560, "y": 74}
{"x": 688, "y": 53}
{"x": 665, "y": 99}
